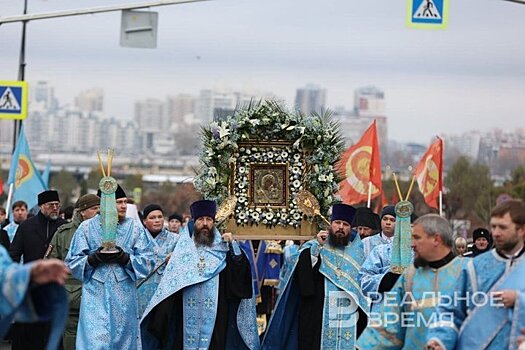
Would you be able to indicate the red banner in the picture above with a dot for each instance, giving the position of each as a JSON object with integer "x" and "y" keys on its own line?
{"x": 429, "y": 173}
{"x": 360, "y": 166}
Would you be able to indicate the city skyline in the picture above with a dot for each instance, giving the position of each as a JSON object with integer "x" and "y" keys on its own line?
{"x": 469, "y": 76}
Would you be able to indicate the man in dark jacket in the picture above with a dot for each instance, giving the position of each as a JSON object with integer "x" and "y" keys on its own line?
{"x": 86, "y": 207}
{"x": 31, "y": 242}
{"x": 482, "y": 242}
{"x": 4, "y": 239}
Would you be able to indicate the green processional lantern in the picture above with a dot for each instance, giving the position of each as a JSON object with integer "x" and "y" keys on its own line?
{"x": 402, "y": 244}
{"x": 108, "y": 208}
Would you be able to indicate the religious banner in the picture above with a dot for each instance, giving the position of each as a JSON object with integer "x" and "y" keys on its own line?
{"x": 429, "y": 173}
{"x": 264, "y": 156}
{"x": 360, "y": 166}
{"x": 23, "y": 175}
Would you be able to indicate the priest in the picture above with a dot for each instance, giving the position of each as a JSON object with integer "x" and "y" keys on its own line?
{"x": 205, "y": 298}
{"x": 321, "y": 305}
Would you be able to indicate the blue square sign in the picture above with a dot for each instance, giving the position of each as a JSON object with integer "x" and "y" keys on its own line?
{"x": 13, "y": 99}
{"x": 427, "y": 14}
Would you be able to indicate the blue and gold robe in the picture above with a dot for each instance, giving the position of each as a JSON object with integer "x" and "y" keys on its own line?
{"x": 343, "y": 305}
{"x": 376, "y": 265}
{"x": 478, "y": 321}
{"x": 109, "y": 308}
{"x": 187, "y": 301}
{"x": 410, "y": 307}
{"x": 370, "y": 242}
{"x": 22, "y": 302}
{"x": 163, "y": 245}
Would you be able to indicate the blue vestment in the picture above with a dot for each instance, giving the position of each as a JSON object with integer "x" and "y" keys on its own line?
{"x": 11, "y": 230}
{"x": 268, "y": 263}
{"x": 22, "y": 302}
{"x": 247, "y": 247}
{"x": 376, "y": 265}
{"x": 478, "y": 321}
{"x": 370, "y": 242}
{"x": 342, "y": 300}
{"x": 290, "y": 254}
{"x": 163, "y": 244}
{"x": 109, "y": 310}
{"x": 194, "y": 270}
{"x": 407, "y": 310}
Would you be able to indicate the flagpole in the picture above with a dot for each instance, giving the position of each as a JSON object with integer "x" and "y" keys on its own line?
{"x": 21, "y": 74}
{"x": 440, "y": 203}
{"x": 9, "y": 199}
{"x": 369, "y": 194}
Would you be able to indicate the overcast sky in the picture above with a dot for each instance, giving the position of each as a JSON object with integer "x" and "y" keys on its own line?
{"x": 469, "y": 76}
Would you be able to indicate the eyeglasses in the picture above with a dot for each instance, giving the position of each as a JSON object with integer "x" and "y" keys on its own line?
{"x": 52, "y": 205}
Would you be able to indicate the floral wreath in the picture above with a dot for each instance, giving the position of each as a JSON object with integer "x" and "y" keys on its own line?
{"x": 313, "y": 147}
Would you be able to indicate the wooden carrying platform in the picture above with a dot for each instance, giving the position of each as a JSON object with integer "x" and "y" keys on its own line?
{"x": 305, "y": 232}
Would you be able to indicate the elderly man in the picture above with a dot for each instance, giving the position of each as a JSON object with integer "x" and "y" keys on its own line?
{"x": 489, "y": 305}
{"x": 321, "y": 303}
{"x": 108, "y": 309}
{"x": 411, "y": 304}
{"x": 31, "y": 241}
{"x": 205, "y": 298}
{"x": 31, "y": 292}
{"x": 87, "y": 207}
{"x": 163, "y": 244}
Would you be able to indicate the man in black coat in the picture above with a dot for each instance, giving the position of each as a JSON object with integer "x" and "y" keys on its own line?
{"x": 482, "y": 242}
{"x": 31, "y": 242}
{"x": 4, "y": 239}
{"x": 33, "y": 235}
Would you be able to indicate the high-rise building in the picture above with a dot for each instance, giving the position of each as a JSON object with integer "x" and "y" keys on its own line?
{"x": 149, "y": 115}
{"x": 178, "y": 107}
{"x": 44, "y": 94}
{"x": 90, "y": 100}
{"x": 369, "y": 105}
{"x": 212, "y": 103}
{"x": 467, "y": 144}
{"x": 6, "y": 136}
{"x": 369, "y": 101}
{"x": 310, "y": 99}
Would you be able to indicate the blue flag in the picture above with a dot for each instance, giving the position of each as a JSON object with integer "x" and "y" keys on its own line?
{"x": 26, "y": 180}
{"x": 45, "y": 174}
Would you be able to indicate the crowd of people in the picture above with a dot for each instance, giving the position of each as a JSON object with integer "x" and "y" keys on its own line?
{"x": 172, "y": 284}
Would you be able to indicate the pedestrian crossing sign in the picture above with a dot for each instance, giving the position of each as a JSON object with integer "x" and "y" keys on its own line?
{"x": 13, "y": 99}
{"x": 427, "y": 14}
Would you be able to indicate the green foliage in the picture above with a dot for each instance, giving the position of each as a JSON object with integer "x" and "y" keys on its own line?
{"x": 130, "y": 182}
{"x": 316, "y": 138}
{"x": 172, "y": 197}
{"x": 65, "y": 183}
{"x": 470, "y": 190}
{"x": 516, "y": 186}
{"x": 93, "y": 179}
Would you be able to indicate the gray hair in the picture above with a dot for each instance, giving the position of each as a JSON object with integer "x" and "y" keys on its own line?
{"x": 434, "y": 224}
